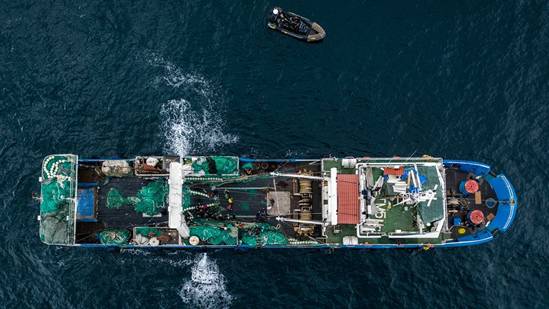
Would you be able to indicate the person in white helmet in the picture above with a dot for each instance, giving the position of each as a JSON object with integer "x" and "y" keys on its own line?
{"x": 279, "y": 15}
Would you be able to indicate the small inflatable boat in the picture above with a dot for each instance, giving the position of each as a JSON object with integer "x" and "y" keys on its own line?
{"x": 294, "y": 25}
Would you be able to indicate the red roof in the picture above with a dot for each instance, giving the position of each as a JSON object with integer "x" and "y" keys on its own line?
{"x": 348, "y": 207}
{"x": 393, "y": 171}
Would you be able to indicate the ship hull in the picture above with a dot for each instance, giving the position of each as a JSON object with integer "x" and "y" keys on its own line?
{"x": 221, "y": 202}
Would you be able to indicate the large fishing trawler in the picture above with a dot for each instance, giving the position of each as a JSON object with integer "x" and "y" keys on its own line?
{"x": 226, "y": 201}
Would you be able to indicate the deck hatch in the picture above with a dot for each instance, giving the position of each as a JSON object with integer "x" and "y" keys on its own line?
{"x": 348, "y": 207}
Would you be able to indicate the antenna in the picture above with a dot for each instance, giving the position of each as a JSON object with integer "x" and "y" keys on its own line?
{"x": 413, "y": 153}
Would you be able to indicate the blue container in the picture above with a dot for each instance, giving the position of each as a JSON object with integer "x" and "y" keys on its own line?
{"x": 462, "y": 188}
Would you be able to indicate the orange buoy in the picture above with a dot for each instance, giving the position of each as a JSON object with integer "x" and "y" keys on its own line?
{"x": 471, "y": 186}
{"x": 476, "y": 217}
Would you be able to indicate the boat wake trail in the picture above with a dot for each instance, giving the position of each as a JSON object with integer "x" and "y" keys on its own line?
{"x": 206, "y": 288}
{"x": 193, "y": 121}
{"x": 174, "y": 76}
{"x": 189, "y": 128}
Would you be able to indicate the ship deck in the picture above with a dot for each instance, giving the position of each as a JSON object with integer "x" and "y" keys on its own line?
{"x": 464, "y": 204}
{"x": 247, "y": 199}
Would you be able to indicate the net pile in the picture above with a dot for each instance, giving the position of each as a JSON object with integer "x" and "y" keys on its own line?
{"x": 114, "y": 236}
{"x": 149, "y": 200}
{"x": 216, "y": 165}
{"x": 57, "y": 199}
{"x": 262, "y": 234}
{"x": 213, "y": 235}
{"x": 115, "y": 199}
{"x": 152, "y": 198}
{"x": 55, "y": 195}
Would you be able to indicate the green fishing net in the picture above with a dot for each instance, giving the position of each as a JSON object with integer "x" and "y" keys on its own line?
{"x": 273, "y": 238}
{"x": 114, "y": 236}
{"x": 54, "y": 195}
{"x": 225, "y": 165}
{"x": 262, "y": 234}
{"x": 58, "y": 190}
{"x": 201, "y": 165}
{"x": 247, "y": 166}
{"x": 249, "y": 240}
{"x": 148, "y": 231}
{"x": 116, "y": 200}
{"x": 216, "y": 165}
{"x": 213, "y": 235}
{"x": 151, "y": 198}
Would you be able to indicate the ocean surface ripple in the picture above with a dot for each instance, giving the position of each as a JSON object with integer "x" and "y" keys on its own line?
{"x": 462, "y": 79}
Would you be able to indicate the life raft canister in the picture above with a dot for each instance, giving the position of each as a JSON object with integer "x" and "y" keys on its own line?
{"x": 476, "y": 217}
{"x": 471, "y": 186}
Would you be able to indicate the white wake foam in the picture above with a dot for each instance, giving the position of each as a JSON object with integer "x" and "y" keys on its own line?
{"x": 174, "y": 76}
{"x": 206, "y": 287}
{"x": 192, "y": 128}
{"x": 192, "y": 122}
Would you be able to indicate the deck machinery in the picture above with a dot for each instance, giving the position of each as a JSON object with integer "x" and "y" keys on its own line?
{"x": 226, "y": 201}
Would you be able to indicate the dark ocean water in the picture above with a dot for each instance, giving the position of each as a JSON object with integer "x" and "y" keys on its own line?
{"x": 458, "y": 79}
